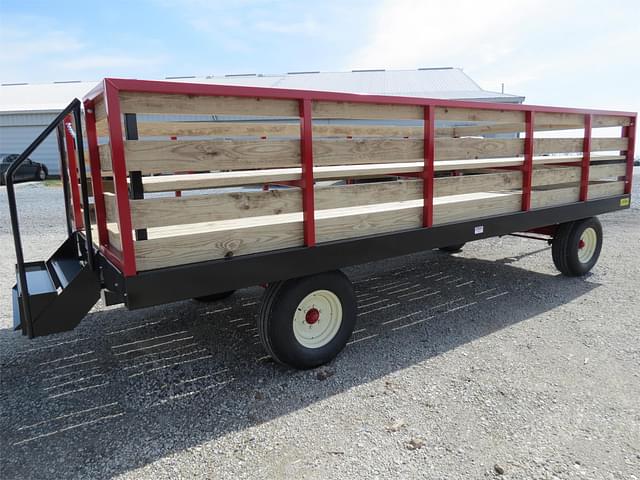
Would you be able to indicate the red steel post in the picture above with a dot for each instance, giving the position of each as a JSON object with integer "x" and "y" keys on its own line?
{"x": 96, "y": 173}
{"x": 527, "y": 165}
{"x": 116, "y": 135}
{"x": 428, "y": 169}
{"x": 586, "y": 159}
{"x": 72, "y": 165}
{"x": 630, "y": 133}
{"x": 306, "y": 149}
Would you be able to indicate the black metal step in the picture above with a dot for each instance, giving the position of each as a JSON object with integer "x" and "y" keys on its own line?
{"x": 42, "y": 291}
{"x": 64, "y": 269}
{"x": 61, "y": 291}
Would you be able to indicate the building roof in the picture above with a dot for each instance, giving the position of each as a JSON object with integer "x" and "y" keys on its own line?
{"x": 445, "y": 83}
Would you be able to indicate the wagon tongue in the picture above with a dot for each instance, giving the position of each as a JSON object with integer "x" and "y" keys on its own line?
{"x": 60, "y": 291}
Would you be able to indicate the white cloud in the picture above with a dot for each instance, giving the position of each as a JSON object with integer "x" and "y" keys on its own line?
{"x": 517, "y": 42}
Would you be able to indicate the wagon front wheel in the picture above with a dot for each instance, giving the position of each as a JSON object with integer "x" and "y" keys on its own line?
{"x": 306, "y": 322}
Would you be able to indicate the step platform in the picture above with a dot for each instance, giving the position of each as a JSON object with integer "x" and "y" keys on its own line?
{"x": 61, "y": 291}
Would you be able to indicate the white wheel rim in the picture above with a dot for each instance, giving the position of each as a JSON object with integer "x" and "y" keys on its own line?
{"x": 317, "y": 319}
{"x": 41, "y": 175}
{"x": 587, "y": 245}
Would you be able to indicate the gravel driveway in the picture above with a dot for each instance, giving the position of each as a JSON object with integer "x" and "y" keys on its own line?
{"x": 507, "y": 370}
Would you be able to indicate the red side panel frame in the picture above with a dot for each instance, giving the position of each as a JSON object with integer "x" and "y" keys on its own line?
{"x": 72, "y": 163}
{"x": 110, "y": 88}
{"x": 116, "y": 142}
{"x": 586, "y": 159}
{"x": 527, "y": 165}
{"x": 429, "y": 165}
{"x": 306, "y": 148}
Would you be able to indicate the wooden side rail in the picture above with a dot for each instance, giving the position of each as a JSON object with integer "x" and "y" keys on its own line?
{"x": 222, "y": 145}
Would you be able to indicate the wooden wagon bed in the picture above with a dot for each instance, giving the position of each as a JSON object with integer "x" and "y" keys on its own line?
{"x": 179, "y": 179}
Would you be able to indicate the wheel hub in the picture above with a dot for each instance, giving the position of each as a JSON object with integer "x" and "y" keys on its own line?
{"x": 312, "y": 316}
{"x": 317, "y": 319}
{"x": 587, "y": 245}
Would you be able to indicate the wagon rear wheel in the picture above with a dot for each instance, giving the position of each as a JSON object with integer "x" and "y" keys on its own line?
{"x": 306, "y": 322}
{"x": 576, "y": 246}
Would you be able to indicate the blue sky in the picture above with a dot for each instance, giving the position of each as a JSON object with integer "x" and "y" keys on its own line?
{"x": 560, "y": 52}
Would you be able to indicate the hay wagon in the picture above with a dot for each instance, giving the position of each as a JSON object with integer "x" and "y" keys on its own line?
{"x": 178, "y": 190}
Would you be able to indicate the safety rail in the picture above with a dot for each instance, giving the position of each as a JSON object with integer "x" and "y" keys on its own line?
{"x": 139, "y": 231}
{"x": 74, "y": 108}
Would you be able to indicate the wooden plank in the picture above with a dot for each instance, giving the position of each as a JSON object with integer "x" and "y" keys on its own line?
{"x": 353, "y": 222}
{"x": 571, "y": 145}
{"x": 327, "y": 152}
{"x": 199, "y": 155}
{"x": 158, "y": 212}
{"x": 114, "y": 236}
{"x": 610, "y": 121}
{"x": 386, "y": 192}
{"x": 100, "y": 109}
{"x": 557, "y": 196}
{"x": 217, "y": 129}
{"x": 605, "y": 189}
{"x": 350, "y": 152}
{"x": 609, "y": 144}
{"x": 321, "y": 109}
{"x": 168, "y": 183}
{"x": 561, "y": 196}
{"x": 472, "y": 148}
{"x": 614, "y": 170}
{"x": 260, "y": 129}
{"x": 105, "y": 157}
{"x": 190, "y": 248}
{"x": 570, "y": 119}
{"x": 555, "y": 176}
{"x": 110, "y": 207}
{"x": 156, "y": 103}
{"x": 477, "y": 115}
{"x": 175, "y": 156}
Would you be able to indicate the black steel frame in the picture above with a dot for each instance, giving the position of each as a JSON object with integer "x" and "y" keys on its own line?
{"x": 165, "y": 285}
{"x": 74, "y": 108}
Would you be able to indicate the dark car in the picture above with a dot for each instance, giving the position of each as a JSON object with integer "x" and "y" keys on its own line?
{"x": 29, "y": 170}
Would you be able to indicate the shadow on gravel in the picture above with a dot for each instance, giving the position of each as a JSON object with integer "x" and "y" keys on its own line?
{"x": 127, "y": 388}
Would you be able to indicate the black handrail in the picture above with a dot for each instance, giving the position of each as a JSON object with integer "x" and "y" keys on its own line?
{"x": 73, "y": 107}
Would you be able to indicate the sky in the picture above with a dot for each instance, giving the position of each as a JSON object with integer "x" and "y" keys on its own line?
{"x": 577, "y": 53}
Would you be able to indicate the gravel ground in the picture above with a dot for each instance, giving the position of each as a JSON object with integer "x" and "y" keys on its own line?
{"x": 509, "y": 370}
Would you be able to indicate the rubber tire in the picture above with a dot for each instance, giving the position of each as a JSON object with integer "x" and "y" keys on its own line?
{"x": 564, "y": 248}
{"x": 275, "y": 320}
{"x": 452, "y": 248}
{"x": 41, "y": 174}
{"x": 214, "y": 297}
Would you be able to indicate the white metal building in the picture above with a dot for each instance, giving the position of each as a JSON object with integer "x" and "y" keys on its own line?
{"x": 26, "y": 109}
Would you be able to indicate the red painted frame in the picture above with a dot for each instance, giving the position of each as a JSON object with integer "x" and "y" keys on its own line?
{"x": 428, "y": 170}
{"x": 527, "y": 164}
{"x": 72, "y": 166}
{"x": 111, "y": 87}
{"x": 306, "y": 149}
{"x": 586, "y": 159}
